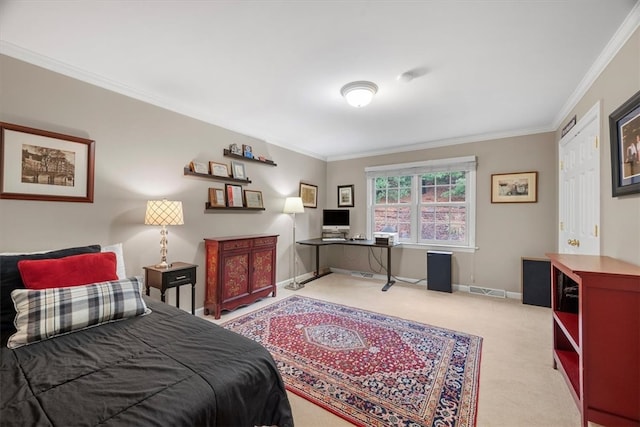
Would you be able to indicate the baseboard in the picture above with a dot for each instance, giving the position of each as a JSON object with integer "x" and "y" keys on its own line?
{"x": 419, "y": 282}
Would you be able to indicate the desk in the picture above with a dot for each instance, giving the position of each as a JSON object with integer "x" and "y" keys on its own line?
{"x": 362, "y": 243}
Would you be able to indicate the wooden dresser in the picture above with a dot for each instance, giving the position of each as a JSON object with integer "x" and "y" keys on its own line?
{"x": 596, "y": 335}
{"x": 240, "y": 270}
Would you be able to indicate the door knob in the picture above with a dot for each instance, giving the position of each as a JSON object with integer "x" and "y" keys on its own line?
{"x": 574, "y": 242}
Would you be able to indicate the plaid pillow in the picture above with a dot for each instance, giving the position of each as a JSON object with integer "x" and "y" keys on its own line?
{"x": 43, "y": 314}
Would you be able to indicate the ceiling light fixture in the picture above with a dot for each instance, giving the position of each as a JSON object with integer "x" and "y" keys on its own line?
{"x": 359, "y": 94}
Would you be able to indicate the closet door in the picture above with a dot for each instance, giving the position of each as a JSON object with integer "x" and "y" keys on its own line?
{"x": 579, "y": 187}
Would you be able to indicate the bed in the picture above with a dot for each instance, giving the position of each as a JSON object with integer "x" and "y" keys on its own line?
{"x": 161, "y": 366}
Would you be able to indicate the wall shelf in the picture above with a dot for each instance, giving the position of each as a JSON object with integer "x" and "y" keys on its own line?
{"x": 209, "y": 208}
{"x": 228, "y": 153}
{"x": 189, "y": 172}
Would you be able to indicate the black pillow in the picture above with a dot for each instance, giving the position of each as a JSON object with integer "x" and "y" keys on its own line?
{"x": 10, "y": 279}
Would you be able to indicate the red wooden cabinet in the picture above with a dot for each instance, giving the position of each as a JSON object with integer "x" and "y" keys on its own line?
{"x": 596, "y": 335}
{"x": 240, "y": 270}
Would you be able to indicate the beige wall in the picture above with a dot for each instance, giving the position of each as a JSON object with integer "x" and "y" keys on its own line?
{"x": 141, "y": 151}
{"x": 619, "y": 216}
{"x": 507, "y": 232}
{"x": 504, "y": 232}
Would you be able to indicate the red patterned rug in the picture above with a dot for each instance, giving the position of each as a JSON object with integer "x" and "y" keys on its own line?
{"x": 369, "y": 368}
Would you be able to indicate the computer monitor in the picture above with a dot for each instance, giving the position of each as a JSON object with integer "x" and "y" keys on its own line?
{"x": 336, "y": 220}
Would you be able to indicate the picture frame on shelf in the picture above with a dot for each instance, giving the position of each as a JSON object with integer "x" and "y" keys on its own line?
{"x": 253, "y": 199}
{"x": 219, "y": 169}
{"x": 309, "y": 195}
{"x": 238, "y": 170}
{"x": 235, "y": 149}
{"x": 46, "y": 166}
{"x": 624, "y": 129}
{"x": 217, "y": 198}
{"x": 516, "y": 187}
{"x": 234, "y": 195}
{"x": 247, "y": 151}
{"x": 199, "y": 167}
{"x": 345, "y": 196}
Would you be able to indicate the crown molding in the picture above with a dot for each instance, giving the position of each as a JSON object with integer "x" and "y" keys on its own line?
{"x": 443, "y": 143}
{"x": 621, "y": 36}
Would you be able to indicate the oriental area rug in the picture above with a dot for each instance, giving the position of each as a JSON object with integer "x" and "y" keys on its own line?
{"x": 368, "y": 368}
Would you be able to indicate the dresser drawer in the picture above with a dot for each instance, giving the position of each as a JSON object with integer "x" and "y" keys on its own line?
{"x": 266, "y": 241}
{"x": 236, "y": 244}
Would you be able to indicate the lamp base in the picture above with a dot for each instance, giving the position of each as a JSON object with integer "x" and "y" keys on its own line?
{"x": 294, "y": 286}
{"x": 163, "y": 264}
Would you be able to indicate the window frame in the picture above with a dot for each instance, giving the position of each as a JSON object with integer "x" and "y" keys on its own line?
{"x": 415, "y": 170}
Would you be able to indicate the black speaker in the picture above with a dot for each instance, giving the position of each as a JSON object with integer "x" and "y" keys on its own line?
{"x": 536, "y": 282}
{"x": 439, "y": 271}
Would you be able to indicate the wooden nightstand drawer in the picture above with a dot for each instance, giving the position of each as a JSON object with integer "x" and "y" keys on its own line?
{"x": 181, "y": 277}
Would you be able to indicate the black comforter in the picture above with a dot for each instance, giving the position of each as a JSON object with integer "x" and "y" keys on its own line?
{"x": 168, "y": 368}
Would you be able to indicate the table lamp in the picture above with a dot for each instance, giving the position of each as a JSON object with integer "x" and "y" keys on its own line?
{"x": 293, "y": 205}
{"x": 164, "y": 212}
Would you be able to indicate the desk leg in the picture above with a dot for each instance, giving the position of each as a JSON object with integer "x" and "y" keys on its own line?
{"x": 178, "y": 296}
{"x": 389, "y": 281}
{"x": 316, "y": 274}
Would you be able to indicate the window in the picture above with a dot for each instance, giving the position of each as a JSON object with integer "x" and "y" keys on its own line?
{"x": 430, "y": 203}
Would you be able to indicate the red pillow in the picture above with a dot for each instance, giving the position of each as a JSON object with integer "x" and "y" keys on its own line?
{"x": 74, "y": 270}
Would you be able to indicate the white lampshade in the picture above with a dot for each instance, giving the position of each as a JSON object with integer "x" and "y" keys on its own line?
{"x": 293, "y": 205}
{"x": 359, "y": 94}
{"x": 164, "y": 212}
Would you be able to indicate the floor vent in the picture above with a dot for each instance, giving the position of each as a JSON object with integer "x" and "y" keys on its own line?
{"x": 362, "y": 274}
{"x": 500, "y": 293}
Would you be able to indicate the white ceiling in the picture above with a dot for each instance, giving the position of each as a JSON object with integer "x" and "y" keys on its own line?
{"x": 273, "y": 69}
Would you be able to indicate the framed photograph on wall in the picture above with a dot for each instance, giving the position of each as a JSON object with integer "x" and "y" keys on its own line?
{"x": 309, "y": 195}
{"x": 517, "y": 187}
{"x": 234, "y": 195}
{"x": 247, "y": 151}
{"x": 253, "y": 199}
{"x": 624, "y": 129}
{"x": 218, "y": 169}
{"x": 345, "y": 196}
{"x": 48, "y": 166}
{"x": 216, "y": 197}
{"x": 238, "y": 171}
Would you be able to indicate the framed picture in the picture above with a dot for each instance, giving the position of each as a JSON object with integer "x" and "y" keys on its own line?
{"x": 199, "y": 167}
{"x": 216, "y": 197}
{"x": 517, "y": 187}
{"x": 345, "y": 196}
{"x": 238, "y": 170}
{"x": 234, "y": 195}
{"x": 235, "y": 149}
{"x": 309, "y": 195}
{"x": 247, "y": 151}
{"x": 624, "y": 127}
{"x": 253, "y": 199}
{"x": 42, "y": 165}
{"x": 218, "y": 169}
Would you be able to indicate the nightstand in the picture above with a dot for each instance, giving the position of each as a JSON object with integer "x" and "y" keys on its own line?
{"x": 180, "y": 273}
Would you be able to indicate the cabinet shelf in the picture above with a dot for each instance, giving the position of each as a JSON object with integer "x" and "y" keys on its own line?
{"x": 568, "y": 363}
{"x": 210, "y": 208}
{"x": 228, "y": 153}
{"x": 569, "y": 324}
{"x": 189, "y": 172}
